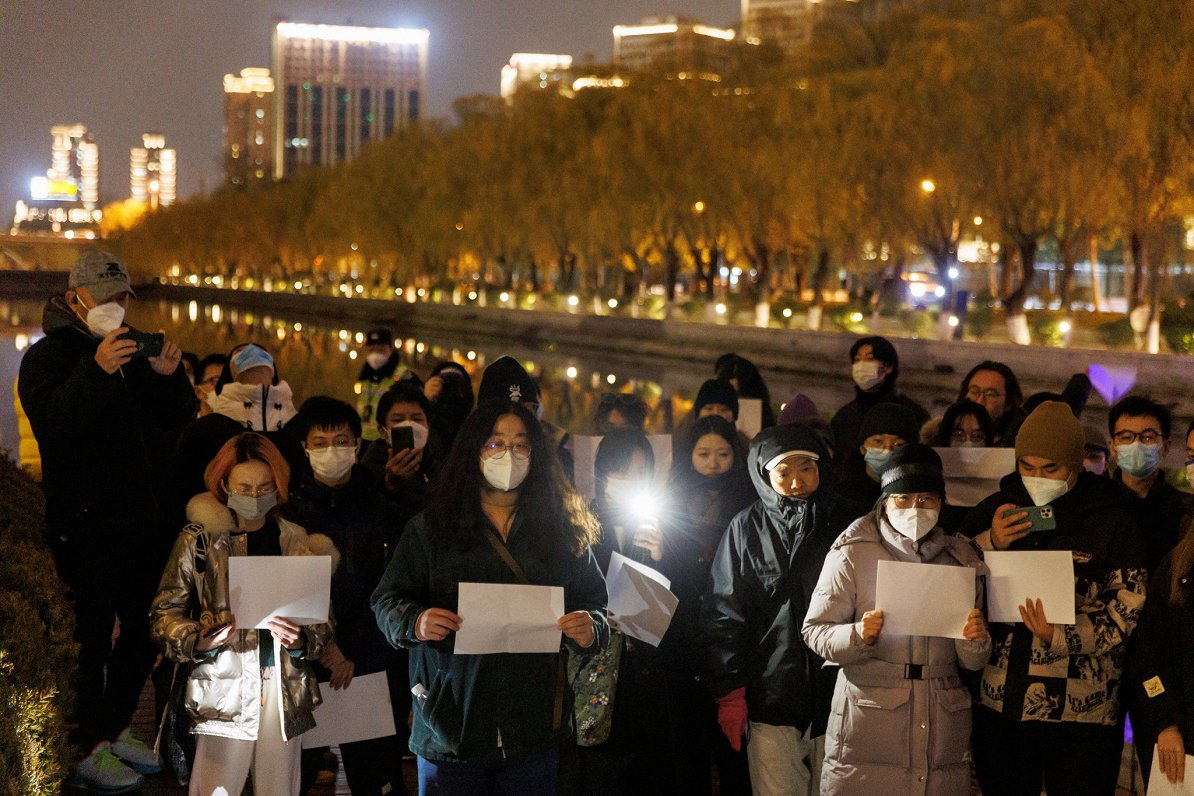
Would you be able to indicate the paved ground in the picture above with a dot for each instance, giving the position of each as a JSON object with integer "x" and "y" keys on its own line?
{"x": 164, "y": 785}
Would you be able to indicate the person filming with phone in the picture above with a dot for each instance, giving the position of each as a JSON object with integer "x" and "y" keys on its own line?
{"x": 105, "y": 409}
{"x": 1050, "y": 700}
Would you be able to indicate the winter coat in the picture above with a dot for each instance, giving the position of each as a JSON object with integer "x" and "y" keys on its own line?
{"x": 1162, "y": 661}
{"x": 482, "y": 707}
{"x": 848, "y": 420}
{"x": 359, "y": 521}
{"x": 370, "y": 387}
{"x": 1161, "y": 515}
{"x": 224, "y": 689}
{"x": 1076, "y": 677}
{"x": 104, "y": 438}
{"x": 889, "y": 733}
{"x": 763, "y": 577}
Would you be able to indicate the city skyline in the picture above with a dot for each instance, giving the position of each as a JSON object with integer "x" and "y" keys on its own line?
{"x": 125, "y": 67}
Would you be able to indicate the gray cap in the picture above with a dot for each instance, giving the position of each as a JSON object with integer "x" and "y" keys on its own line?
{"x": 102, "y": 274}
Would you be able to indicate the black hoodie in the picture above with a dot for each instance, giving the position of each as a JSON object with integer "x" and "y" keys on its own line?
{"x": 764, "y": 574}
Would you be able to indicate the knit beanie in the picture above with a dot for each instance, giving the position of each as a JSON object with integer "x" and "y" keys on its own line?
{"x": 889, "y": 418}
{"x": 1052, "y": 432}
{"x": 716, "y": 391}
{"x": 913, "y": 468}
{"x": 800, "y": 408}
{"x": 506, "y": 380}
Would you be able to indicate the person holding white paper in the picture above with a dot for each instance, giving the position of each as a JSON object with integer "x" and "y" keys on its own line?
{"x": 900, "y": 720}
{"x": 501, "y": 512}
{"x": 1050, "y": 713}
{"x": 771, "y": 690}
{"x": 251, "y": 692}
{"x": 1162, "y": 667}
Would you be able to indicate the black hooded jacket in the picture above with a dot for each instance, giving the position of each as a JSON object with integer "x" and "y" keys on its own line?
{"x": 105, "y": 439}
{"x": 764, "y": 574}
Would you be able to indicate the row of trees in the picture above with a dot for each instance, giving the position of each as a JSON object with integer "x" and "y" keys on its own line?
{"x": 1066, "y": 122}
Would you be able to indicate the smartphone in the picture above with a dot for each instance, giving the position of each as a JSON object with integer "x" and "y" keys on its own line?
{"x": 401, "y": 438}
{"x": 1041, "y": 517}
{"x": 149, "y": 344}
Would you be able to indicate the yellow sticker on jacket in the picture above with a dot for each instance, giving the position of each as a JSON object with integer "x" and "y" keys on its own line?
{"x": 1153, "y": 687}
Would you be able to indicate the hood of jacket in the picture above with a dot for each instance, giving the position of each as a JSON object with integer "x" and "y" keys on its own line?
{"x": 771, "y": 442}
{"x": 257, "y": 407}
{"x": 57, "y": 316}
{"x": 217, "y": 519}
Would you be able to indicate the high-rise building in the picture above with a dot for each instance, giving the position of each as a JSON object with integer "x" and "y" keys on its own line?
{"x": 66, "y": 199}
{"x": 539, "y": 70}
{"x": 785, "y": 24}
{"x": 339, "y": 87}
{"x": 153, "y": 171}
{"x": 673, "y": 44}
{"x": 249, "y": 127}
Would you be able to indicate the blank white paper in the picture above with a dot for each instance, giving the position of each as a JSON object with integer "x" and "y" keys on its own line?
{"x": 924, "y": 599}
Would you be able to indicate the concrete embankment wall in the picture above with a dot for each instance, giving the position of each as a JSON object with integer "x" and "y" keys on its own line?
{"x": 927, "y": 366}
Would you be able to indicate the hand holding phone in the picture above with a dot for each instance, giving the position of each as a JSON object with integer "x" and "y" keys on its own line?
{"x": 1040, "y": 517}
{"x": 149, "y": 344}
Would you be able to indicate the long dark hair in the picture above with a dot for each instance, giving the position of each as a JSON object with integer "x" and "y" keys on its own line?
{"x": 1011, "y": 385}
{"x": 683, "y": 473}
{"x": 546, "y": 502}
{"x": 963, "y": 408}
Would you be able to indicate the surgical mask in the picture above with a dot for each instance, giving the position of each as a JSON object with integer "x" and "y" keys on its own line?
{"x": 250, "y": 508}
{"x": 876, "y": 458}
{"x": 1190, "y": 473}
{"x": 331, "y": 464}
{"x": 102, "y": 319}
{"x": 866, "y": 373}
{"x": 618, "y": 490}
{"x": 377, "y": 361}
{"x": 1044, "y": 491}
{"x": 914, "y": 523}
{"x": 505, "y": 471}
{"x": 418, "y": 432}
{"x": 1137, "y": 459}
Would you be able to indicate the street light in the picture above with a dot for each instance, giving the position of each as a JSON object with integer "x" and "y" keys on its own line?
{"x": 928, "y": 186}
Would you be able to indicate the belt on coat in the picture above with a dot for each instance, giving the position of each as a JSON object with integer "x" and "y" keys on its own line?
{"x": 880, "y": 670}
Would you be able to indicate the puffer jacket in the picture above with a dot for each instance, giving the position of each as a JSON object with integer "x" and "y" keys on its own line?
{"x": 224, "y": 690}
{"x": 763, "y": 576}
{"x": 890, "y": 732}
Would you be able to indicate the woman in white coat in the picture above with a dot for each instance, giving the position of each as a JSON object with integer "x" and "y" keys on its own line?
{"x": 900, "y": 718}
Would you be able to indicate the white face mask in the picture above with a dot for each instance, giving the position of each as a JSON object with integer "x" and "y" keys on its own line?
{"x": 103, "y": 318}
{"x": 913, "y": 523}
{"x": 618, "y": 490}
{"x": 505, "y": 471}
{"x": 418, "y": 431}
{"x": 1044, "y": 491}
{"x": 377, "y": 360}
{"x": 331, "y": 464}
{"x": 866, "y": 373}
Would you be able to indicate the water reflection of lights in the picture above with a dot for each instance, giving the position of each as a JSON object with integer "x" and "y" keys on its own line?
{"x": 215, "y": 313}
{"x": 193, "y": 311}
{"x": 281, "y": 334}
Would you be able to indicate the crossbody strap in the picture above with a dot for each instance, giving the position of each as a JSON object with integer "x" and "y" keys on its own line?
{"x": 557, "y": 711}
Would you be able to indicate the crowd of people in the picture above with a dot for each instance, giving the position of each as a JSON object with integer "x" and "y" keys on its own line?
{"x": 775, "y": 675}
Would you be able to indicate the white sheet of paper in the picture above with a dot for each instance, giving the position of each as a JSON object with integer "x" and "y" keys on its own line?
{"x": 923, "y": 599}
{"x": 1017, "y": 575}
{"x": 298, "y": 588}
{"x": 357, "y": 713}
{"x": 640, "y": 599}
{"x": 972, "y": 474}
{"x": 508, "y": 617}
{"x": 750, "y": 416}
{"x": 1159, "y": 784}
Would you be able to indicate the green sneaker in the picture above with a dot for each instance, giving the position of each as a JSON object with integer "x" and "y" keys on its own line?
{"x": 135, "y": 754}
{"x": 102, "y": 771}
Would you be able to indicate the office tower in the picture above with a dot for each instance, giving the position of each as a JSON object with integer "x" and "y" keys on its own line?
{"x": 249, "y": 127}
{"x": 153, "y": 171}
{"x": 339, "y": 87}
{"x": 673, "y": 45}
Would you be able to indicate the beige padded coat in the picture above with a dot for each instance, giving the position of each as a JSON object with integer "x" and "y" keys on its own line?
{"x": 223, "y": 693}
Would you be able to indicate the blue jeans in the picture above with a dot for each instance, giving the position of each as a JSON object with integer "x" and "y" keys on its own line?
{"x": 532, "y": 775}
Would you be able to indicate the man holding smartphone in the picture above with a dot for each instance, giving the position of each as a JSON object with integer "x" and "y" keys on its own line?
{"x": 105, "y": 420}
{"x": 1050, "y": 711}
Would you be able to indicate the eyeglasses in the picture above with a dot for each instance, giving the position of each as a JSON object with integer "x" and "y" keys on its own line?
{"x": 1148, "y": 437}
{"x": 493, "y": 448}
{"x": 974, "y": 393}
{"x": 960, "y": 435}
{"x": 338, "y": 442}
{"x": 915, "y": 501}
{"x": 254, "y": 491}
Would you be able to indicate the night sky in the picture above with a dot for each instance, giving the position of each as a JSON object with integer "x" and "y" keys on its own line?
{"x": 124, "y": 67}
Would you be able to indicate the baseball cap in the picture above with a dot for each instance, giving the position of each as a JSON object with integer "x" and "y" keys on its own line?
{"x": 102, "y": 274}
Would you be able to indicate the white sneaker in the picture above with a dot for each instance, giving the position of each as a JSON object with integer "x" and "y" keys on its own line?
{"x": 135, "y": 754}
{"x": 101, "y": 771}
